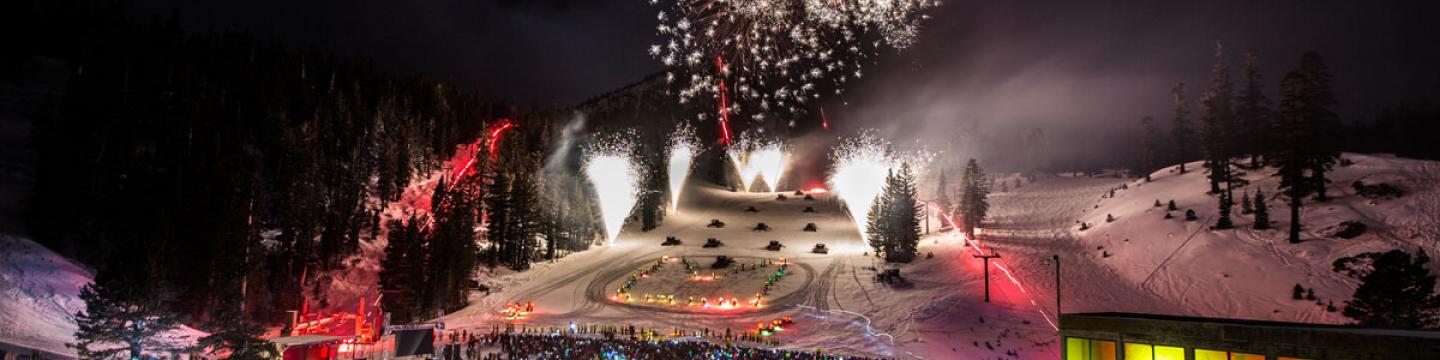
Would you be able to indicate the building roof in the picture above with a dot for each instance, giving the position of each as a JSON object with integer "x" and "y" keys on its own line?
{"x": 305, "y": 340}
{"x": 1262, "y": 323}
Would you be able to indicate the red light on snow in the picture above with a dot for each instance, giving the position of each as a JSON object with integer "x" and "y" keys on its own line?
{"x": 817, "y": 190}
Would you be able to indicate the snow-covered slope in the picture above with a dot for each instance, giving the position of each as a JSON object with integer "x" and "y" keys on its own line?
{"x": 40, "y": 294}
{"x": 1247, "y": 273}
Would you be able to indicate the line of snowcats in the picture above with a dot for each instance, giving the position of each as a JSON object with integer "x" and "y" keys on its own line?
{"x": 775, "y": 245}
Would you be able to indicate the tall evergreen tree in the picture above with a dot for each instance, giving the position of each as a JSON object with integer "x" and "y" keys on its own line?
{"x": 974, "y": 203}
{"x": 1149, "y": 147}
{"x": 402, "y": 271}
{"x": 906, "y": 217}
{"x": 452, "y": 253}
{"x": 1396, "y": 290}
{"x": 878, "y": 225}
{"x": 942, "y": 198}
{"x": 1252, "y": 109}
{"x": 1317, "y": 102}
{"x": 1216, "y": 123}
{"x": 1292, "y": 161}
{"x": 1181, "y": 132}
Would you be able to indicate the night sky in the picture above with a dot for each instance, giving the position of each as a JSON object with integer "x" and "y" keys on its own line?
{"x": 996, "y": 63}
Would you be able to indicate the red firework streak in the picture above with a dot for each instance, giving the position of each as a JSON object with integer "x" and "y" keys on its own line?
{"x": 494, "y": 140}
{"x": 824, "y": 121}
{"x": 724, "y": 105}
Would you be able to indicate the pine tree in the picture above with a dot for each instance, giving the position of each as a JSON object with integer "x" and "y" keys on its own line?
{"x": 1293, "y": 156}
{"x": 124, "y": 306}
{"x": 526, "y": 216}
{"x": 1252, "y": 109}
{"x": 237, "y": 337}
{"x": 1396, "y": 290}
{"x": 1262, "y": 211}
{"x": 451, "y": 251}
{"x": 1224, "y": 221}
{"x": 878, "y": 223}
{"x": 1317, "y": 102}
{"x": 1216, "y": 123}
{"x": 942, "y": 198}
{"x": 1181, "y": 132}
{"x": 498, "y": 222}
{"x": 1149, "y": 147}
{"x": 1246, "y": 206}
{"x": 402, "y": 271}
{"x": 906, "y": 213}
{"x": 973, "y": 200}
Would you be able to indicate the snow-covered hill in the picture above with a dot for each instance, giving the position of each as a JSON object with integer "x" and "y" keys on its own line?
{"x": 40, "y": 294}
{"x": 1247, "y": 273}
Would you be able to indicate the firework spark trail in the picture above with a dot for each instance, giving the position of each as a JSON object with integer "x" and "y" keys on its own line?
{"x": 614, "y": 178}
{"x": 981, "y": 250}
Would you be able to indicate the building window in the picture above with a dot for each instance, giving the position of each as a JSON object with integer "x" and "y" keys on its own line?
{"x": 1134, "y": 351}
{"x": 1089, "y": 349}
{"x": 1202, "y": 354}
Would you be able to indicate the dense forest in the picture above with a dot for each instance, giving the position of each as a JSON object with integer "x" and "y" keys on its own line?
{"x": 200, "y": 168}
{"x": 218, "y": 165}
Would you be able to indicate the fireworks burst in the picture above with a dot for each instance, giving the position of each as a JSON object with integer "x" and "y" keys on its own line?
{"x": 616, "y": 181}
{"x": 774, "y": 56}
{"x": 861, "y": 165}
{"x": 759, "y": 161}
{"x": 682, "y": 156}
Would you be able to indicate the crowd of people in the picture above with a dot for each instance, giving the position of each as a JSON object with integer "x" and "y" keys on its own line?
{"x": 552, "y": 346}
{"x": 609, "y": 342}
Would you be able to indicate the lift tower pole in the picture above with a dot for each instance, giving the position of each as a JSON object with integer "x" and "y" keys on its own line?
{"x": 986, "y": 259}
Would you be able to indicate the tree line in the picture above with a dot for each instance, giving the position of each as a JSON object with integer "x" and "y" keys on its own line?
{"x": 1244, "y": 131}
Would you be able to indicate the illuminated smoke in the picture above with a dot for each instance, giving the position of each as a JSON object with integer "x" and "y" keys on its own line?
{"x": 682, "y": 154}
{"x": 614, "y": 178}
{"x": 859, "y": 176}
